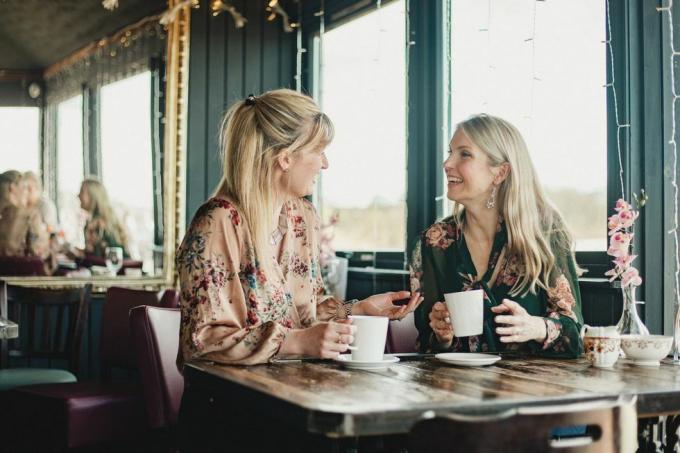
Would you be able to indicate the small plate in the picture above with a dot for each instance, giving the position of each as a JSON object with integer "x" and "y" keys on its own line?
{"x": 346, "y": 360}
{"x": 467, "y": 358}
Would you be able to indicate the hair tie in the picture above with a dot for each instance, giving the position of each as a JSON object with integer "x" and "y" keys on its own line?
{"x": 250, "y": 100}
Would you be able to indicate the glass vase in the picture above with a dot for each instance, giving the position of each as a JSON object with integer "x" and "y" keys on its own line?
{"x": 630, "y": 323}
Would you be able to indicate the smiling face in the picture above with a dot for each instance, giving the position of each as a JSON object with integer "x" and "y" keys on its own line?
{"x": 305, "y": 166}
{"x": 469, "y": 173}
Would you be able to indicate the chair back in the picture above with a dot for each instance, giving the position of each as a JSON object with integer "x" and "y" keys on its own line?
{"x": 402, "y": 335}
{"x": 606, "y": 427}
{"x": 116, "y": 339}
{"x": 22, "y": 266}
{"x": 155, "y": 332}
{"x": 170, "y": 298}
{"x": 51, "y": 322}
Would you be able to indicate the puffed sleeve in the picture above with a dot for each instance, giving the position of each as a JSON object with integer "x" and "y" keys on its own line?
{"x": 422, "y": 277}
{"x": 231, "y": 313}
{"x": 563, "y": 317}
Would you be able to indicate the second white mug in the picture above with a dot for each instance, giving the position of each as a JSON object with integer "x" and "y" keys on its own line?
{"x": 466, "y": 310}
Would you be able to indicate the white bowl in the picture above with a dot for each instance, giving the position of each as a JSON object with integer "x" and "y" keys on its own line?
{"x": 646, "y": 350}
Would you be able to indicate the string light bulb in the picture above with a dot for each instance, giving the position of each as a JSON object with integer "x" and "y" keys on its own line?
{"x": 275, "y": 9}
{"x": 219, "y": 6}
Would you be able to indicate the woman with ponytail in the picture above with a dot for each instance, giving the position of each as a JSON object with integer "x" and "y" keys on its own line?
{"x": 505, "y": 238}
{"x": 251, "y": 286}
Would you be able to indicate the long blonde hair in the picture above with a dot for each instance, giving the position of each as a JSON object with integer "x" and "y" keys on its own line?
{"x": 534, "y": 226}
{"x": 100, "y": 208}
{"x": 252, "y": 134}
{"x": 7, "y": 180}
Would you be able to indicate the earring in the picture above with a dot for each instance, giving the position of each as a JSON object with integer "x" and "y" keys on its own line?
{"x": 491, "y": 202}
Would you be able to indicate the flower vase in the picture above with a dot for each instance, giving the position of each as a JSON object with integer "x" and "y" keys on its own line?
{"x": 630, "y": 323}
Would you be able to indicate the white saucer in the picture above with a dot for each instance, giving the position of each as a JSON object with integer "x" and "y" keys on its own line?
{"x": 467, "y": 358}
{"x": 346, "y": 360}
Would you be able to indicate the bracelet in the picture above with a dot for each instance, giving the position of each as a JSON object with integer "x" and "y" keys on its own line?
{"x": 347, "y": 305}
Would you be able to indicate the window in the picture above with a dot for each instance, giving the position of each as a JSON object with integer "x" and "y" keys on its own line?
{"x": 70, "y": 168}
{"x": 363, "y": 79}
{"x": 526, "y": 62}
{"x": 126, "y": 159}
{"x": 20, "y": 139}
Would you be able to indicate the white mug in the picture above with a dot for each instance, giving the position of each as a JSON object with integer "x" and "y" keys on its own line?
{"x": 369, "y": 338}
{"x": 466, "y": 310}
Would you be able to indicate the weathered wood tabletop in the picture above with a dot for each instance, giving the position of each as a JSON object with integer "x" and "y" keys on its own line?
{"x": 325, "y": 398}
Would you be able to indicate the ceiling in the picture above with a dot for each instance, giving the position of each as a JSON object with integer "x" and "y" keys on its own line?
{"x": 35, "y": 34}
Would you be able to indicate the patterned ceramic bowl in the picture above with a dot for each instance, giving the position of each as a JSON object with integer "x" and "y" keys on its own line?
{"x": 602, "y": 352}
{"x": 646, "y": 350}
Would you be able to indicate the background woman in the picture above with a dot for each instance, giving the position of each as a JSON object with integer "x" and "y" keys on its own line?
{"x": 504, "y": 237}
{"x": 102, "y": 229}
{"x": 248, "y": 266}
{"x": 22, "y": 232}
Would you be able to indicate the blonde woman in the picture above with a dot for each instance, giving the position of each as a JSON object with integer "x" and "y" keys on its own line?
{"x": 505, "y": 238}
{"x": 248, "y": 266}
{"x": 102, "y": 229}
{"x": 22, "y": 232}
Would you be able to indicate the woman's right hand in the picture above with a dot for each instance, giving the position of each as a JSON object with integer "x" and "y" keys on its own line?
{"x": 440, "y": 323}
{"x": 325, "y": 340}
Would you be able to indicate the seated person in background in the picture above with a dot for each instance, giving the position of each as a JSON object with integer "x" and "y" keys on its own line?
{"x": 102, "y": 229}
{"x": 35, "y": 198}
{"x": 22, "y": 232}
{"x": 505, "y": 238}
{"x": 249, "y": 262}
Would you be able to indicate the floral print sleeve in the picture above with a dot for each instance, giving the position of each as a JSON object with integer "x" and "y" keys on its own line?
{"x": 563, "y": 308}
{"x": 232, "y": 312}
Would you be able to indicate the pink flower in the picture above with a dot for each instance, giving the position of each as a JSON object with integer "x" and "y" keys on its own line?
{"x": 614, "y": 224}
{"x": 622, "y": 262}
{"x": 619, "y": 243}
{"x": 622, "y": 205}
{"x": 627, "y": 218}
{"x": 631, "y": 277}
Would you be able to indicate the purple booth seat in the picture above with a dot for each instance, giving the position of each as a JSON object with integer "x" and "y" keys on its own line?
{"x": 89, "y": 413}
{"x": 22, "y": 266}
{"x": 402, "y": 335}
{"x": 155, "y": 333}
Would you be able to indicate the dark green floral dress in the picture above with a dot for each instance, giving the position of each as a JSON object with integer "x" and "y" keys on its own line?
{"x": 441, "y": 263}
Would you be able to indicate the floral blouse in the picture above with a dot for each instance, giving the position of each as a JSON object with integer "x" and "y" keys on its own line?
{"x": 22, "y": 233}
{"x": 233, "y": 311}
{"x": 441, "y": 263}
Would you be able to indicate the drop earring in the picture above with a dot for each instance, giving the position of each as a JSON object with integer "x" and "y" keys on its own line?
{"x": 491, "y": 202}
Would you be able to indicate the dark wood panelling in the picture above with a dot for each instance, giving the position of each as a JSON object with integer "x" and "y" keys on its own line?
{"x": 226, "y": 65}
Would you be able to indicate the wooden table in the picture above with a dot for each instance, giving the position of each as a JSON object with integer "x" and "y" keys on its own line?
{"x": 324, "y": 399}
{"x": 8, "y": 329}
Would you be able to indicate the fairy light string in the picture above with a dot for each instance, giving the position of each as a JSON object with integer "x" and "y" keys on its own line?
{"x": 668, "y": 9}
{"x": 612, "y": 84}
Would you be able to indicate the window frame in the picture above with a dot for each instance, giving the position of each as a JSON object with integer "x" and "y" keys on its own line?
{"x": 638, "y": 38}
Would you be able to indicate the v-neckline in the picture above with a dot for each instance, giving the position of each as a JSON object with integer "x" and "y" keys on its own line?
{"x": 496, "y": 250}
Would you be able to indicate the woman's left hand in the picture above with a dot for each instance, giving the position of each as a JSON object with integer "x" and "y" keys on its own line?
{"x": 519, "y": 326}
{"x": 383, "y": 305}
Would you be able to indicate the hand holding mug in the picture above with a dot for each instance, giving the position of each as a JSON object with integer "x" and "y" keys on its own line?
{"x": 440, "y": 323}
